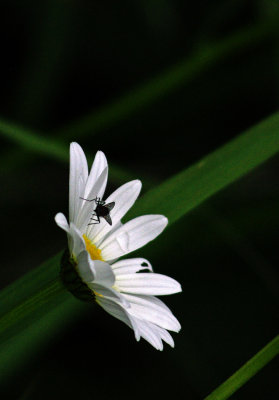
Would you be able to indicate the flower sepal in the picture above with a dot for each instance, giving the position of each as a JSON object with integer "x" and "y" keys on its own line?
{"x": 71, "y": 279}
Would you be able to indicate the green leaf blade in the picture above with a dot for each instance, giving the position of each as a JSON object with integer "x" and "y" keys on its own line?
{"x": 246, "y": 372}
{"x": 188, "y": 189}
{"x": 173, "y": 198}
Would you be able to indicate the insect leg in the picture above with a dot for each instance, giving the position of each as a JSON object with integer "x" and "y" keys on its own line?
{"x": 97, "y": 221}
{"x": 95, "y": 199}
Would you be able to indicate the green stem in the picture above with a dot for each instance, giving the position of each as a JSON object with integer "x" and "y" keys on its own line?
{"x": 246, "y": 372}
{"x": 32, "y": 304}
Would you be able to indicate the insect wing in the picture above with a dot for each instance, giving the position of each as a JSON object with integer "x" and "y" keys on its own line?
{"x": 110, "y": 206}
{"x": 108, "y": 219}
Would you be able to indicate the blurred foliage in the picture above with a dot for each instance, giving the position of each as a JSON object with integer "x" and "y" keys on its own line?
{"x": 39, "y": 291}
{"x": 63, "y": 62}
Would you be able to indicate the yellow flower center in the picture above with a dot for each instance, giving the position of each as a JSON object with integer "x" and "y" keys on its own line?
{"x": 95, "y": 253}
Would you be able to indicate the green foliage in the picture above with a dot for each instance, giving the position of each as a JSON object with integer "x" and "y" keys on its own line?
{"x": 204, "y": 57}
{"x": 38, "y": 293}
{"x": 171, "y": 80}
{"x": 192, "y": 186}
{"x": 35, "y": 308}
{"x": 32, "y": 308}
{"x": 246, "y": 372}
{"x": 35, "y": 143}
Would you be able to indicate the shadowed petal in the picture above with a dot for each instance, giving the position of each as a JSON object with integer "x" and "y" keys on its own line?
{"x": 85, "y": 267}
{"x": 117, "y": 311}
{"x": 105, "y": 292}
{"x": 76, "y": 242}
{"x": 104, "y": 274}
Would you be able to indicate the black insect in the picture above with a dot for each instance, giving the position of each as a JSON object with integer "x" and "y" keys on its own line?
{"x": 102, "y": 210}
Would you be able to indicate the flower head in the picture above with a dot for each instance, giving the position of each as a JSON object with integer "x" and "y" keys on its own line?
{"x": 93, "y": 267}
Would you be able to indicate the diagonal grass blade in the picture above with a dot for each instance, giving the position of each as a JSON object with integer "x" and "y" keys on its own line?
{"x": 189, "y": 188}
{"x": 246, "y": 372}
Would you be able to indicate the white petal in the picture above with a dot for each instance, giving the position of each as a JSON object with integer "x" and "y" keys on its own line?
{"x": 117, "y": 311}
{"x": 76, "y": 242}
{"x": 151, "y": 309}
{"x": 165, "y": 336}
{"x": 108, "y": 293}
{"x": 62, "y": 222}
{"x": 132, "y": 235}
{"x": 150, "y": 333}
{"x": 104, "y": 274}
{"x": 159, "y": 302}
{"x": 124, "y": 197}
{"x": 88, "y": 207}
{"x": 90, "y": 234}
{"x": 85, "y": 267}
{"x": 153, "y": 334}
{"x": 131, "y": 265}
{"x": 98, "y": 166}
{"x": 147, "y": 283}
{"x": 78, "y": 177}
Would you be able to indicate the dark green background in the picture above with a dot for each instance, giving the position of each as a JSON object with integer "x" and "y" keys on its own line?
{"x": 62, "y": 60}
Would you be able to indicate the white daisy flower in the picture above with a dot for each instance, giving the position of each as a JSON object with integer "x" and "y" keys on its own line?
{"x": 92, "y": 268}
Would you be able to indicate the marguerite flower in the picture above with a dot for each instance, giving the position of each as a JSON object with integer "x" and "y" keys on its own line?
{"x": 92, "y": 267}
